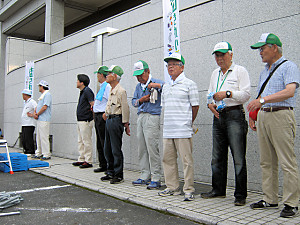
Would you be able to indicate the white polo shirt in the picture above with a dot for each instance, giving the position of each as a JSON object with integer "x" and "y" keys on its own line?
{"x": 29, "y": 106}
{"x": 178, "y": 97}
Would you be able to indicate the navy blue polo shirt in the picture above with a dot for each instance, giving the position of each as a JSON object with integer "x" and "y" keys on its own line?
{"x": 84, "y": 112}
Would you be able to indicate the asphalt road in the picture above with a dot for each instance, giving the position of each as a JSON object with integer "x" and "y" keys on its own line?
{"x": 49, "y": 201}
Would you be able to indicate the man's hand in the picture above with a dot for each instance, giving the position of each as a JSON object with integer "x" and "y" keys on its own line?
{"x": 104, "y": 116}
{"x": 145, "y": 98}
{"x": 219, "y": 95}
{"x": 252, "y": 124}
{"x": 154, "y": 85}
{"x": 127, "y": 129}
{"x": 212, "y": 108}
{"x": 253, "y": 105}
{"x": 35, "y": 116}
{"x": 30, "y": 114}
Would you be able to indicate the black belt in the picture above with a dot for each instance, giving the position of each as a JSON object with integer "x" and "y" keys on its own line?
{"x": 114, "y": 116}
{"x": 98, "y": 113}
{"x": 229, "y": 108}
{"x": 274, "y": 109}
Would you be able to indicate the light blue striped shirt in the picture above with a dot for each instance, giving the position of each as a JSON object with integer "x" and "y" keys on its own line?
{"x": 285, "y": 74}
{"x": 178, "y": 98}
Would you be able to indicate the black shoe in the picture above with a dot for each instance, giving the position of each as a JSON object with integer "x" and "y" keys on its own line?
{"x": 240, "y": 201}
{"x": 263, "y": 205}
{"x": 100, "y": 169}
{"x": 45, "y": 158}
{"x": 106, "y": 178}
{"x": 289, "y": 211}
{"x": 85, "y": 165}
{"x": 117, "y": 180}
{"x": 212, "y": 194}
{"x": 77, "y": 163}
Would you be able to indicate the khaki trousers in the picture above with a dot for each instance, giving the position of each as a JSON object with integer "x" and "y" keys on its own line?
{"x": 184, "y": 148}
{"x": 85, "y": 148}
{"x": 148, "y": 127}
{"x": 42, "y": 139}
{"x": 276, "y": 132}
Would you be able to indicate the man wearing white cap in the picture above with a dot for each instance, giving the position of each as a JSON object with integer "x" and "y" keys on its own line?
{"x": 117, "y": 118}
{"x": 276, "y": 126}
{"x": 147, "y": 98}
{"x": 43, "y": 114}
{"x": 180, "y": 100}
{"x": 28, "y": 122}
{"x": 229, "y": 89}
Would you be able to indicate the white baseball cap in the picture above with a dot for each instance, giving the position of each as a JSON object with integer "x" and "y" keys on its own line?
{"x": 44, "y": 83}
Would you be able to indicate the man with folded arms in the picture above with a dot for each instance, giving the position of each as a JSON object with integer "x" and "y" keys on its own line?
{"x": 117, "y": 118}
{"x": 229, "y": 89}
{"x": 147, "y": 98}
{"x": 276, "y": 126}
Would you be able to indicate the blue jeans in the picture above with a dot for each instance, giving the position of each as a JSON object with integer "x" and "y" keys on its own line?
{"x": 113, "y": 146}
{"x": 230, "y": 130}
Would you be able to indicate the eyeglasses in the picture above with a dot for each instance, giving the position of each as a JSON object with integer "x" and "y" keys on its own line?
{"x": 261, "y": 49}
{"x": 173, "y": 64}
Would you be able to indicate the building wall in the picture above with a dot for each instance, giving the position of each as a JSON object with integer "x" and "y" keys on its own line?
{"x": 140, "y": 36}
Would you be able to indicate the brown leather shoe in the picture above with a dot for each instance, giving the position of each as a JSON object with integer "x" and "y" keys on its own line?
{"x": 77, "y": 163}
{"x": 85, "y": 165}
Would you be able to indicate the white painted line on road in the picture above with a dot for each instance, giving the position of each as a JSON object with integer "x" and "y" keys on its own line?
{"x": 67, "y": 209}
{"x": 42, "y": 188}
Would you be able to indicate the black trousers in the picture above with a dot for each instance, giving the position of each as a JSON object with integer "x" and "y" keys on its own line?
{"x": 100, "y": 133}
{"x": 27, "y": 139}
{"x": 113, "y": 146}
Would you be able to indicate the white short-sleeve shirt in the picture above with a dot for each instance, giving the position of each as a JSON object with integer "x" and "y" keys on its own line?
{"x": 178, "y": 97}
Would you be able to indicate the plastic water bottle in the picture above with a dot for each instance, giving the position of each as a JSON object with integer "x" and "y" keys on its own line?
{"x": 210, "y": 98}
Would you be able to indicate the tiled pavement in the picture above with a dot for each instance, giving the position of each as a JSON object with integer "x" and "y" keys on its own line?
{"x": 207, "y": 211}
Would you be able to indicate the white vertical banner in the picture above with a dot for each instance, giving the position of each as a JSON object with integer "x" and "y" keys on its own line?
{"x": 29, "y": 76}
{"x": 171, "y": 30}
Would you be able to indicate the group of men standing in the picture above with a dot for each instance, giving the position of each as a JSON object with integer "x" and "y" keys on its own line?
{"x": 39, "y": 115}
{"x": 228, "y": 91}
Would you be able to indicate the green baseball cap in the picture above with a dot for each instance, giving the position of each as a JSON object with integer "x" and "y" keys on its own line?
{"x": 223, "y": 47}
{"x": 267, "y": 38}
{"x": 115, "y": 69}
{"x": 102, "y": 70}
{"x": 175, "y": 56}
{"x": 139, "y": 67}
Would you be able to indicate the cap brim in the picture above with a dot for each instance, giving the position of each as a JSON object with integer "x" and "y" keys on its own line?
{"x": 169, "y": 58}
{"x": 26, "y": 93}
{"x": 221, "y": 50}
{"x": 138, "y": 72}
{"x": 258, "y": 45}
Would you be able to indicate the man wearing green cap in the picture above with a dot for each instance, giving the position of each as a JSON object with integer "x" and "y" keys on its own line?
{"x": 276, "y": 126}
{"x": 228, "y": 90}
{"x": 180, "y": 100}
{"x": 117, "y": 117}
{"x": 147, "y": 98}
{"x": 99, "y": 109}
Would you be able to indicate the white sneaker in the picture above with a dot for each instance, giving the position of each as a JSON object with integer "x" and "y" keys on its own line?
{"x": 188, "y": 197}
{"x": 168, "y": 192}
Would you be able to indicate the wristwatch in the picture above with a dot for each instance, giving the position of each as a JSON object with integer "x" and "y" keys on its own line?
{"x": 262, "y": 101}
{"x": 228, "y": 93}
